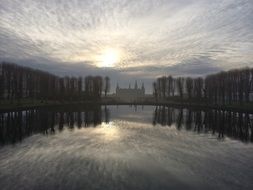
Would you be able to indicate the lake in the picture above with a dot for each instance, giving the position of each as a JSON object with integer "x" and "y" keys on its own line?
{"x": 125, "y": 147}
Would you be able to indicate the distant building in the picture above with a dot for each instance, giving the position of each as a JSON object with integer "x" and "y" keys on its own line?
{"x": 130, "y": 94}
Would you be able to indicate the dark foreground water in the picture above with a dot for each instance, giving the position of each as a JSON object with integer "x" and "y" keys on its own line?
{"x": 126, "y": 148}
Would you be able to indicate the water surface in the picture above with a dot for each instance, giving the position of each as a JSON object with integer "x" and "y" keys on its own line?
{"x": 123, "y": 147}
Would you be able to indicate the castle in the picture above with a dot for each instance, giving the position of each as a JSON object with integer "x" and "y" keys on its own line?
{"x": 130, "y": 94}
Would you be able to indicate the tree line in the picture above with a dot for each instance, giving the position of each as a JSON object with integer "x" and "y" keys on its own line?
{"x": 233, "y": 86}
{"x": 18, "y": 82}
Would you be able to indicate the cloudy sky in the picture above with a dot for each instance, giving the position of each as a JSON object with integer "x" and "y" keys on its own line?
{"x": 127, "y": 39}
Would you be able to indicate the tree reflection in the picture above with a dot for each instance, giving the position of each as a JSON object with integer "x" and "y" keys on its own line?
{"x": 15, "y": 126}
{"x": 218, "y": 122}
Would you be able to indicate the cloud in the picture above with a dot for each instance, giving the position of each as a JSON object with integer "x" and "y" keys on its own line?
{"x": 179, "y": 37}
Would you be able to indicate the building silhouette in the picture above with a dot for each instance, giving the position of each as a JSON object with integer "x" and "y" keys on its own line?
{"x": 130, "y": 94}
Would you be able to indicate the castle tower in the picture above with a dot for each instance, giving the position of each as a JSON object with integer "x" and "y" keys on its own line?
{"x": 117, "y": 87}
{"x": 135, "y": 86}
{"x": 143, "y": 88}
{"x": 130, "y": 94}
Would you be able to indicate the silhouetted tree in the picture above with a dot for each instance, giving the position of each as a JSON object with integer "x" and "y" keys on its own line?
{"x": 189, "y": 87}
{"x": 224, "y": 87}
{"x": 170, "y": 86}
{"x": 17, "y": 82}
{"x": 198, "y": 87}
{"x": 106, "y": 85}
{"x": 180, "y": 86}
{"x": 1, "y": 82}
{"x": 155, "y": 93}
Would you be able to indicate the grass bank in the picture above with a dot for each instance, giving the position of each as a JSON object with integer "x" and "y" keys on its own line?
{"x": 33, "y": 104}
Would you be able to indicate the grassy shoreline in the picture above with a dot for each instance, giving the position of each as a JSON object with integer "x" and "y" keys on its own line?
{"x": 34, "y": 104}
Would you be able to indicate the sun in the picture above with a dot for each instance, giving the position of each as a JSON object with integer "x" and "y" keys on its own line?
{"x": 109, "y": 58}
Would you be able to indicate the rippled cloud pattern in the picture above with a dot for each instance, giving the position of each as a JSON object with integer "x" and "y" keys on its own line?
{"x": 155, "y": 37}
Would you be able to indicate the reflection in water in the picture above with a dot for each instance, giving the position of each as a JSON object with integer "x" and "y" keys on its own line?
{"x": 223, "y": 123}
{"x": 17, "y": 125}
{"x": 119, "y": 148}
{"x": 108, "y": 131}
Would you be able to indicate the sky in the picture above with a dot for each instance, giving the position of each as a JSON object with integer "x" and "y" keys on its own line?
{"x": 128, "y": 40}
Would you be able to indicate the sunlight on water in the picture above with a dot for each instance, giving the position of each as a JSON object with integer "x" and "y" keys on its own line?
{"x": 133, "y": 149}
{"x": 108, "y": 131}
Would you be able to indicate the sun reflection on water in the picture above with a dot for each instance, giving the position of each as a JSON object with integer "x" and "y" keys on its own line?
{"x": 108, "y": 131}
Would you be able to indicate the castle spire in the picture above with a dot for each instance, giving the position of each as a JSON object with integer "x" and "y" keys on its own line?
{"x": 142, "y": 86}
{"x": 136, "y": 86}
{"x": 143, "y": 89}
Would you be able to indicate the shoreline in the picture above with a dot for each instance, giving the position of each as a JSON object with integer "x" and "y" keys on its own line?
{"x": 246, "y": 108}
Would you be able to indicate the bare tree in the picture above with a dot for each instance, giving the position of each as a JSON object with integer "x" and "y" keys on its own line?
{"x": 180, "y": 86}
{"x": 106, "y": 85}
{"x": 189, "y": 87}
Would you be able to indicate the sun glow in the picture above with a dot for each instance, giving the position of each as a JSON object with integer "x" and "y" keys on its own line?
{"x": 108, "y": 131}
{"x": 109, "y": 58}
